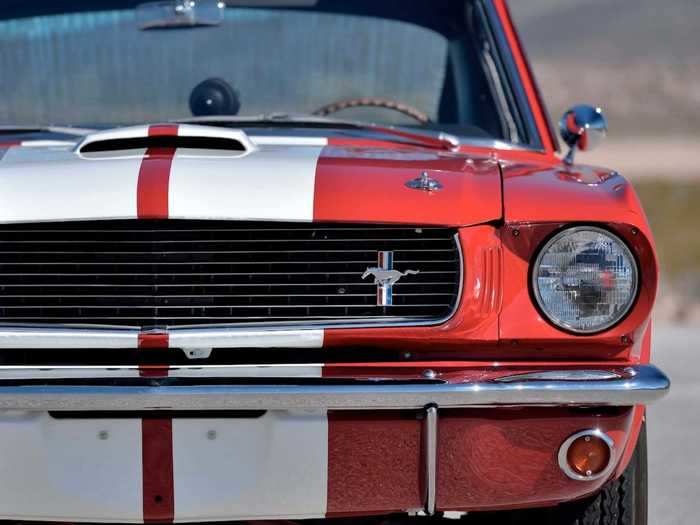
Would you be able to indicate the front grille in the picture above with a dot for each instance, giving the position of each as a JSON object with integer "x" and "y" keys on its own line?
{"x": 160, "y": 273}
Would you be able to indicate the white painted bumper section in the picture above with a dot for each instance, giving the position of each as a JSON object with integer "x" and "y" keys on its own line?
{"x": 60, "y": 339}
{"x": 223, "y": 338}
{"x": 195, "y": 338}
{"x": 65, "y": 470}
{"x": 223, "y": 469}
{"x": 271, "y": 467}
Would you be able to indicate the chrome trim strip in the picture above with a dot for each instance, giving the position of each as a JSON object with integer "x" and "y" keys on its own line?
{"x": 430, "y": 445}
{"x": 564, "y": 449}
{"x": 60, "y": 338}
{"x": 562, "y": 375}
{"x": 92, "y": 372}
{"x": 641, "y": 384}
{"x": 47, "y": 337}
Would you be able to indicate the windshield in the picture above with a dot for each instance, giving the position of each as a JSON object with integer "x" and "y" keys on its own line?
{"x": 413, "y": 65}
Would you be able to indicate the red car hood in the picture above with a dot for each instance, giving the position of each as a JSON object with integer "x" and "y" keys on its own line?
{"x": 269, "y": 179}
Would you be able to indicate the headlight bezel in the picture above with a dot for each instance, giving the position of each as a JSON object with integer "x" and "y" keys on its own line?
{"x": 541, "y": 251}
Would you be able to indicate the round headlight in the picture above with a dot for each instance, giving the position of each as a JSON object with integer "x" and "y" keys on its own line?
{"x": 585, "y": 279}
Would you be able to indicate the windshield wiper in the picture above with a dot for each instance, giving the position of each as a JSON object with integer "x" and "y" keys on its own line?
{"x": 62, "y": 130}
{"x": 443, "y": 141}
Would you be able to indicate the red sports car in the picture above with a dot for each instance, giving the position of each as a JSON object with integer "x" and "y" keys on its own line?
{"x": 291, "y": 260}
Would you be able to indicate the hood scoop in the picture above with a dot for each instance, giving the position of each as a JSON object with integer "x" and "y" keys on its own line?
{"x": 171, "y": 136}
{"x": 215, "y": 143}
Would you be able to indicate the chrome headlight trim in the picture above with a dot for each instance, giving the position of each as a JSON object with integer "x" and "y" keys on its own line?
{"x": 568, "y": 327}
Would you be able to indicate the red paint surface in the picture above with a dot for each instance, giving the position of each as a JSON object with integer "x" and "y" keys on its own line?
{"x": 153, "y": 370}
{"x": 154, "y": 177}
{"x": 163, "y": 130}
{"x": 365, "y": 184}
{"x": 4, "y": 146}
{"x": 507, "y": 458}
{"x": 158, "y": 488}
{"x": 374, "y": 462}
{"x": 535, "y": 192}
{"x": 152, "y": 188}
{"x": 487, "y": 459}
{"x": 153, "y": 341}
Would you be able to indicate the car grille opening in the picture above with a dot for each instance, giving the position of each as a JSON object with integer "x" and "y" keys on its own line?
{"x": 162, "y": 273}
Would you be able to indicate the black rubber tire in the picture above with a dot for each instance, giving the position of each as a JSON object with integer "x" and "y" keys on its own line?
{"x": 620, "y": 502}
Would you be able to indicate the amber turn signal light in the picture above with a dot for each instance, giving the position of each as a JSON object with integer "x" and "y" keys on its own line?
{"x": 587, "y": 455}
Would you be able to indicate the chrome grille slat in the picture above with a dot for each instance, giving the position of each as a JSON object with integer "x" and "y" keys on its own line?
{"x": 277, "y": 228}
{"x": 210, "y": 241}
{"x": 227, "y": 252}
{"x": 159, "y": 273}
{"x": 209, "y": 307}
{"x": 218, "y": 285}
{"x": 215, "y": 263}
{"x": 161, "y": 295}
{"x": 216, "y": 274}
{"x": 69, "y": 320}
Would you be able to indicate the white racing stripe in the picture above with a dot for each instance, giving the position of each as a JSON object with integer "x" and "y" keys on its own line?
{"x": 273, "y": 466}
{"x": 239, "y": 338}
{"x": 273, "y": 180}
{"x": 273, "y": 183}
{"x": 128, "y": 132}
{"x": 70, "y": 470}
{"x": 57, "y": 339}
{"x": 191, "y": 130}
{"x": 270, "y": 140}
{"x": 45, "y": 184}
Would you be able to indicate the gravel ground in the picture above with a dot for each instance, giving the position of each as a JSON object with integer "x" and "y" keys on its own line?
{"x": 674, "y": 429}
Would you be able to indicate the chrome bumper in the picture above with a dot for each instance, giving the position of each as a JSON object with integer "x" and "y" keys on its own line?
{"x": 239, "y": 388}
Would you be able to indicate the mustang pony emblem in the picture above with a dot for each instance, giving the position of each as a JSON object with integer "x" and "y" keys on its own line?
{"x": 385, "y": 277}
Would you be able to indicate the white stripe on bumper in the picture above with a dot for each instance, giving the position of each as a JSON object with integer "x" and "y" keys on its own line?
{"x": 274, "y": 466}
{"x": 196, "y": 371}
{"x": 70, "y": 470}
{"x": 232, "y": 338}
{"x": 59, "y": 339}
{"x": 187, "y": 339}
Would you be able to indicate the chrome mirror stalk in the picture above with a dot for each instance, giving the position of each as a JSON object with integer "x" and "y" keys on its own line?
{"x": 582, "y": 127}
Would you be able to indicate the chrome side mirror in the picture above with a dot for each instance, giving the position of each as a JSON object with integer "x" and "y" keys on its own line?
{"x": 582, "y": 127}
